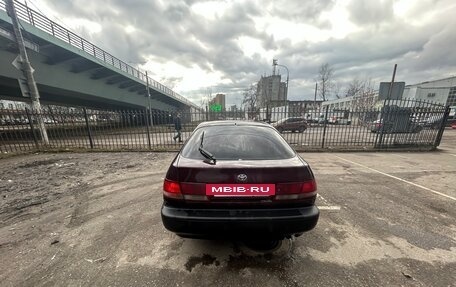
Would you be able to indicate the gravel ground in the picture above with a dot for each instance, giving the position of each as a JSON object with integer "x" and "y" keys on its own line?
{"x": 93, "y": 219}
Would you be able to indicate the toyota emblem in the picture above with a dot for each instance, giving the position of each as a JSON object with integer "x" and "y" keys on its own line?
{"x": 242, "y": 177}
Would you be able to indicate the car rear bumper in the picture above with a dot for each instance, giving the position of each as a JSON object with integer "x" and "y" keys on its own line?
{"x": 239, "y": 223}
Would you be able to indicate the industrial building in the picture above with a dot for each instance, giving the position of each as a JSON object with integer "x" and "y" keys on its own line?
{"x": 441, "y": 91}
{"x": 271, "y": 91}
{"x": 218, "y": 103}
{"x": 353, "y": 102}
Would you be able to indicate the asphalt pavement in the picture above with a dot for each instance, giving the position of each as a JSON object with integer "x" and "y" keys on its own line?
{"x": 387, "y": 219}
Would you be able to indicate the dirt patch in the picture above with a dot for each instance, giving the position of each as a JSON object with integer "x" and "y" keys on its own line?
{"x": 38, "y": 163}
{"x": 33, "y": 184}
{"x": 204, "y": 260}
{"x": 48, "y": 200}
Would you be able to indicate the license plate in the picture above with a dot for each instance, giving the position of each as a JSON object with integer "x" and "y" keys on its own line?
{"x": 240, "y": 189}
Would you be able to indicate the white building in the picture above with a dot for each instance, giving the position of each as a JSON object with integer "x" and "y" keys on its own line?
{"x": 351, "y": 103}
{"x": 441, "y": 91}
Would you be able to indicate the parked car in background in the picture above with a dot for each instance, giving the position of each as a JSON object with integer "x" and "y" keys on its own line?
{"x": 339, "y": 117}
{"x": 238, "y": 180}
{"x": 433, "y": 122}
{"x": 451, "y": 120}
{"x": 320, "y": 119}
{"x": 8, "y": 121}
{"x": 334, "y": 120}
{"x": 24, "y": 121}
{"x": 292, "y": 124}
{"x": 396, "y": 127}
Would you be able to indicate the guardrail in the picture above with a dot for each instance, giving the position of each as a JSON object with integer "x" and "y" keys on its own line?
{"x": 43, "y": 23}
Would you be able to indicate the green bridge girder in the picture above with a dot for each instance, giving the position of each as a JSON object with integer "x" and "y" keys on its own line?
{"x": 66, "y": 75}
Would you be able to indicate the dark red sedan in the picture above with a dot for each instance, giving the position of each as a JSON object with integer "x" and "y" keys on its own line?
{"x": 242, "y": 180}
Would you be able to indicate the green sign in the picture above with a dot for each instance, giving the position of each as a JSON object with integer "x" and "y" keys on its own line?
{"x": 216, "y": 108}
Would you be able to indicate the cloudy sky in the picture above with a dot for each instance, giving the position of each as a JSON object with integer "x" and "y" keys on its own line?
{"x": 201, "y": 47}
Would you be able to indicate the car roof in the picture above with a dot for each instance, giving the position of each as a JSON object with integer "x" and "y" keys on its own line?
{"x": 233, "y": 123}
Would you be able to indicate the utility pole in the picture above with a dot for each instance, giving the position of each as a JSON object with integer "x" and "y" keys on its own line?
{"x": 390, "y": 90}
{"x": 274, "y": 64}
{"x": 149, "y": 100}
{"x": 386, "y": 117}
{"x": 27, "y": 70}
{"x": 315, "y": 96}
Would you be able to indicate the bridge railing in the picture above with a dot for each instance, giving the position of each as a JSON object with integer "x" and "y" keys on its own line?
{"x": 43, "y": 23}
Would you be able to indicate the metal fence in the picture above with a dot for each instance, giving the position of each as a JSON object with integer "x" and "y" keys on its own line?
{"x": 394, "y": 124}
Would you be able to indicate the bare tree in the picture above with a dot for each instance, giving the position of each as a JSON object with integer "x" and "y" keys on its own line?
{"x": 204, "y": 100}
{"x": 363, "y": 92}
{"x": 251, "y": 97}
{"x": 354, "y": 88}
{"x": 336, "y": 89}
{"x": 325, "y": 78}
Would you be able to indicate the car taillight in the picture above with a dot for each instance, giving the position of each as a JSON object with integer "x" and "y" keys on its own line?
{"x": 172, "y": 189}
{"x": 296, "y": 190}
{"x": 309, "y": 186}
{"x": 193, "y": 188}
{"x": 296, "y": 187}
{"x": 194, "y": 191}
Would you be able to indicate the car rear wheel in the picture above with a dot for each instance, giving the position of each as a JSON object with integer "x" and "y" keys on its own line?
{"x": 276, "y": 254}
{"x": 280, "y": 129}
{"x": 302, "y": 129}
{"x": 263, "y": 245}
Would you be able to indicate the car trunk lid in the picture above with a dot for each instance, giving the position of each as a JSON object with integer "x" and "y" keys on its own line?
{"x": 288, "y": 176}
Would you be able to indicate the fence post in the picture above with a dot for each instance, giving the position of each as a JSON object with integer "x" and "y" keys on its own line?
{"x": 148, "y": 129}
{"x": 379, "y": 137}
{"x": 88, "y": 128}
{"x": 324, "y": 127}
{"x": 32, "y": 128}
{"x": 438, "y": 139}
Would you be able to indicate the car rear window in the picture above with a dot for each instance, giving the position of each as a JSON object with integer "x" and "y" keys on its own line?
{"x": 238, "y": 143}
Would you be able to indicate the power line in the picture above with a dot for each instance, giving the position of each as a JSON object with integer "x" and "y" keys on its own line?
{"x": 45, "y": 15}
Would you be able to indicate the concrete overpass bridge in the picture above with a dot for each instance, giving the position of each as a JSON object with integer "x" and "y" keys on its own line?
{"x": 69, "y": 70}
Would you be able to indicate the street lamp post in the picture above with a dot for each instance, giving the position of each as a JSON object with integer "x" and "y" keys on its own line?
{"x": 149, "y": 100}
{"x": 274, "y": 63}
